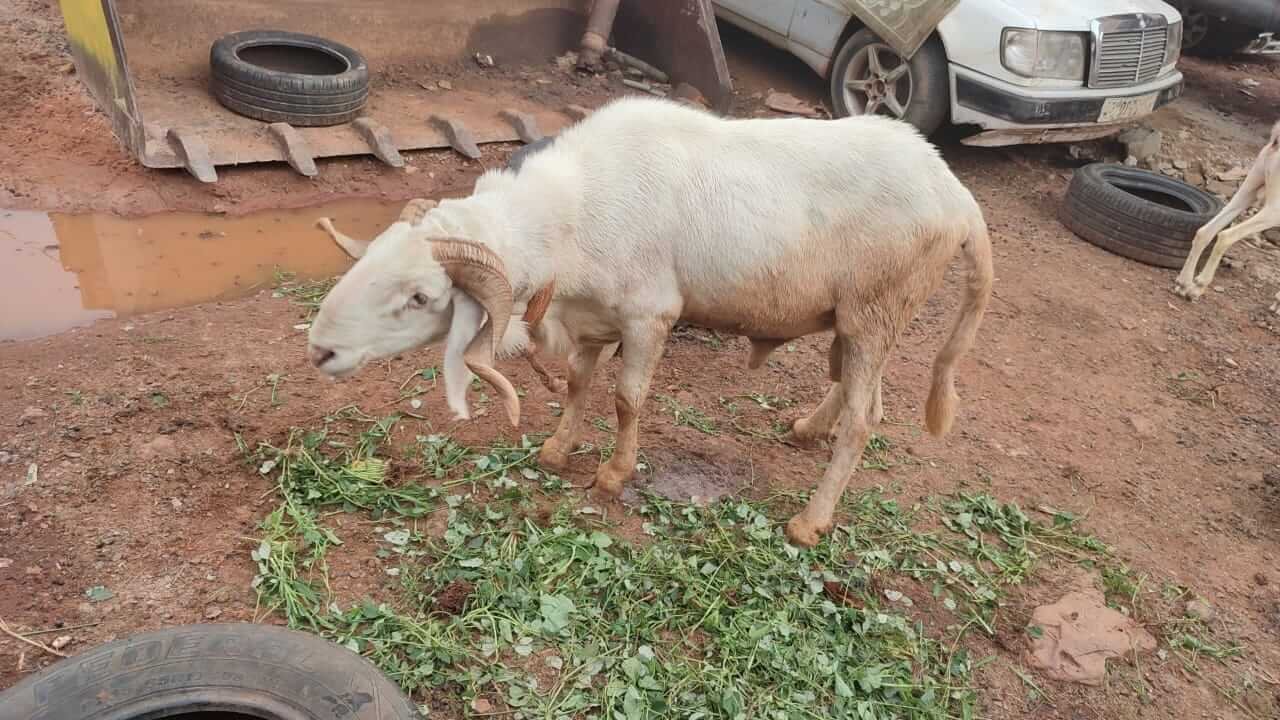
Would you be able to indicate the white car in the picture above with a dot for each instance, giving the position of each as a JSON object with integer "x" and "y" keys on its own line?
{"x": 1030, "y": 71}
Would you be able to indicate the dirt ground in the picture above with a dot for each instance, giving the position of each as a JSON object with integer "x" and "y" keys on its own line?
{"x": 1093, "y": 389}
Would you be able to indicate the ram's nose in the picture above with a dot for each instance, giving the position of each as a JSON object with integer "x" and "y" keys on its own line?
{"x": 319, "y": 355}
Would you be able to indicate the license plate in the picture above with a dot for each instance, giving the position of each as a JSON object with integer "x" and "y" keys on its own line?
{"x": 1126, "y": 108}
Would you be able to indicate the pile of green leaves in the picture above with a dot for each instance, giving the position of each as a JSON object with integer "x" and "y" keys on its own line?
{"x": 711, "y": 615}
{"x": 307, "y": 294}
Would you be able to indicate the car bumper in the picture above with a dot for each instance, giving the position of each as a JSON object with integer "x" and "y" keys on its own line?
{"x": 994, "y": 105}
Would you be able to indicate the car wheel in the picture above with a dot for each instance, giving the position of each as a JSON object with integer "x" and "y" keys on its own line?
{"x": 1137, "y": 214}
{"x": 1208, "y": 36}
{"x": 1224, "y": 39}
{"x": 1195, "y": 23}
{"x": 871, "y": 78}
{"x": 211, "y": 671}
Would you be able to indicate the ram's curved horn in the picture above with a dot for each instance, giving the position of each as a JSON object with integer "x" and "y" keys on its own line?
{"x": 354, "y": 248}
{"x": 415, "y": 210}
{"x": 477, "y": 271}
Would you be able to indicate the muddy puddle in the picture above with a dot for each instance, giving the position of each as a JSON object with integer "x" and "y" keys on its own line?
{"x": 63, "y": 271}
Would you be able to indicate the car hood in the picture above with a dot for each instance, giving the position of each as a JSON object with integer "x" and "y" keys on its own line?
{"x": 1077, "y": 14}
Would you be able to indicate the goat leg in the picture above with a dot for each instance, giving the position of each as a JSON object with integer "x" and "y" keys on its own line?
{"x": 551, "y": 382}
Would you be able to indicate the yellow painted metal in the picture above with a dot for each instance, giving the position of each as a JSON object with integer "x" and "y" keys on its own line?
{"x": 94, "y": 35}
{"x": 87, "y": 30}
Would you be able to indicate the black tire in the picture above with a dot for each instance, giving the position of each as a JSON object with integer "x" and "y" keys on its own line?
{"x": 1224, "y": 39}
{"x": 1137, "y": 214}
{"x": 251, "y": 670}
{"x": 311, "y": 81}
{"x": 929, "y": 103}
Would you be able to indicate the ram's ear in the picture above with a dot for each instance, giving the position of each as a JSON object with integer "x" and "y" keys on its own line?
{"x": 354, "y": 248}
{"x": 468, "y": 318}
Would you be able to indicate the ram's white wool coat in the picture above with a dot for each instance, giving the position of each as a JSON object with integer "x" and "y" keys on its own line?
{"x": 648, "y": 212}
{"x": 749, "y": 226}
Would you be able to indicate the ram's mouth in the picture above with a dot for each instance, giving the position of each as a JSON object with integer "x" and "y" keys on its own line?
{"x": 338, "y": 372}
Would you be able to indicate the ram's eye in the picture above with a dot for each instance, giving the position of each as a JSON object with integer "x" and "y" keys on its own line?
{"x": 418, "y": 300}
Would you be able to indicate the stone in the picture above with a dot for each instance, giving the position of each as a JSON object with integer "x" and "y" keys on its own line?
{"x": 1249, "y": 478}
{"x": 6, "y": 563}
{"x": 689, "y": 94}
{"x": 1235, "y": 174}
{"x": 212, "y": 612}
{"x": 1142, "y": 427}
{"x": 1180, "y": 164}
{"x": 161, "y": 446}
{"x": 1193, "y": 176}
{"x": 1142, "y": 143}
{"x": 60, "y": 642}
{"x": 445, "y": 85}
{"x": 1131, "y": 161}
{"x": 30, "y": 415}
{"x": 1221, "y": 189}
{"x": 1199, "y": 610}
{"x": 790, "y": 104}
{"x": 1261, "y": 579}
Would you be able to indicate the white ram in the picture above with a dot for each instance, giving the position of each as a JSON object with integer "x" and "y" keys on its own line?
{"x": 649, "y": 212}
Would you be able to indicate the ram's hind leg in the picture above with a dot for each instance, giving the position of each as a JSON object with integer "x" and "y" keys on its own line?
{"x": 555, "y": 450}
{"x": 862, "y": 356}
{"x": 818, "y": 426}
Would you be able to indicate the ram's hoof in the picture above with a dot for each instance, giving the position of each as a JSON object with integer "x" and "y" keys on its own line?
{"x": 552, "y": 457}
{"x": 1191, "y": 292}
{"x": 609, "y": 483}
{"x": 804, "y": 436}
{"x": 804, "y": 533}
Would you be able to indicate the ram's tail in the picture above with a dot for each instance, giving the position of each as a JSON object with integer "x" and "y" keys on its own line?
{"x": 940, "y": 411}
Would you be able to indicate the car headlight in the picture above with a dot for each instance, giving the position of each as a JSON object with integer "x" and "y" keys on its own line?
{"x": 1043, "y": 53}
{"x": 1173, "y": 52}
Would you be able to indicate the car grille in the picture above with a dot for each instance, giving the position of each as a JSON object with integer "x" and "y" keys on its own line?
{"x": 1128, "y": 54}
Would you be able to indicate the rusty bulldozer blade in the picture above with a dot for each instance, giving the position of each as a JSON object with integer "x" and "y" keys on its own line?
{"x": 146, "y": 63}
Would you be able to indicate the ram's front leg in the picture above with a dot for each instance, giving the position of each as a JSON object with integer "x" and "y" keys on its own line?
{"x": 555, "y": 451}
{"x": 641, "y": 349}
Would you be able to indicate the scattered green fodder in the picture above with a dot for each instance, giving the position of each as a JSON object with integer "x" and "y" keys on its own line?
{"x": 531, "y": 607}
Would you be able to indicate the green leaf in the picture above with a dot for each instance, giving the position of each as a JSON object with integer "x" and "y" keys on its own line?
{"x": 872, "y": 679}
{"x": 634, "y": 668}
{"x": 633, "y": 704}
{"x": 842, "y": 688}
{"x": 262, "y": 552}
{"x": 556, "y": 610}
{"x": 731, "y": 702}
